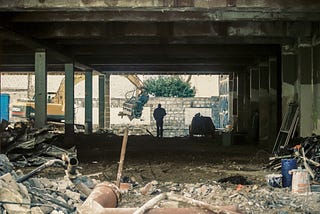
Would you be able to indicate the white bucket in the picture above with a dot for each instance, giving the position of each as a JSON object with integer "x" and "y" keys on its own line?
{"x": 300, "y": 181}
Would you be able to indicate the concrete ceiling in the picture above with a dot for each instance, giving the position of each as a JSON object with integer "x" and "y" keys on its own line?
{"x": 152, "y": 36}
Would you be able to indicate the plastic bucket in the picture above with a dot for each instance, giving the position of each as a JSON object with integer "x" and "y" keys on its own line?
{"x": 286, "y": 166}
{"x": 300, "y": 181}
{"x": 274, "y": 180}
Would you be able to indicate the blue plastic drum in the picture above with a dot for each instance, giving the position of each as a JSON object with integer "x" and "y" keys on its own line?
{"x": 286, "y": 166}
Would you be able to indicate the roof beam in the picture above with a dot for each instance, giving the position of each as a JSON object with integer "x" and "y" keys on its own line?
{"x": 34, "y": 45}
{"x": 165, "y": 15}
{"x": 81, "y": 5}
{"x": 106, "y": 31}
{"x": 176, "y": 50}
{"x": 169, "y": 69}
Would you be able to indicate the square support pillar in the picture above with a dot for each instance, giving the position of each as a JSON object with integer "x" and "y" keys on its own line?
{"x": 69, "y": 99}
{"x": 40, "y": 89}
{"x": 316, "y": 82}
{"x": 107, "y": 101}
{"x": 264, "y": 103}
{"x": 101, "y": 100}
{"x": 273, "y": 70}
{"x": 233, "y": 84}
{"x": 306, "y": 93}
{"x": 243, "y": 102}
{"x": 289, "y": 78}
{"x": 88, "y": 102}
{"x": 254, "y": 104}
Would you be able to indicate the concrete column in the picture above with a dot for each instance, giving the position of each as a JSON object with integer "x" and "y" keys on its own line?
{"x": 273, "y": 68}
{"x": 107, "y": 101}
{"x": 254, "y": 88}
{"x": 243, "y": 102}
{"x": 88, "y": 102}
{"x": 254, "y": 104}
{"x": 264, "y": 104}
{"x": 289, "y": 78}
{"x": 69, "y": 99}
{"x": 224, "y": 101}
{"x": 233, "y": 84}
{"x": 306, "y": 93}
{"x": 101, "y": 101}
{"x": 40, "y": 89}
{"x": 316, "y": 82}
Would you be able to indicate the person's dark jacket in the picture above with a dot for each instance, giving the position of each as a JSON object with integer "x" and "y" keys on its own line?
{"x": 159, "y": 113}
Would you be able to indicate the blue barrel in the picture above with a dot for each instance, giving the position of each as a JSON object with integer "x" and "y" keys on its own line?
{"x": 4, "y": 107}
{"x": 286, "y": 166}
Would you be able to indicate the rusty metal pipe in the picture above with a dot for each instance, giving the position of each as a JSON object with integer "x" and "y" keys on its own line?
{"x": 104, "y": 195}
{"x": 72, "y": 173}
{"x": 72, "y": 165}
{"x": 122, "y": 155}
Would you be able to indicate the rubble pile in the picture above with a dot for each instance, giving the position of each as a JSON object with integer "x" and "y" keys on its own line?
{"x": 36, "y": 195}
{"x": 26, "y": 146}
{"x": 249, "y": 198}
{"x": 307, "y": 153}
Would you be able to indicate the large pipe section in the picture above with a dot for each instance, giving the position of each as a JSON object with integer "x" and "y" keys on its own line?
{"x": 104, "y": 195}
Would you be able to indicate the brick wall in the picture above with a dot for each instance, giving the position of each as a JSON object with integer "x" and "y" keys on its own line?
{"x": 179, "y": 115}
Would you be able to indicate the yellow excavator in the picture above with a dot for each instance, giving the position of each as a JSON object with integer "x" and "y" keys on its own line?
{"x": 132, "y": 107}
{"x": 25, "y": 109}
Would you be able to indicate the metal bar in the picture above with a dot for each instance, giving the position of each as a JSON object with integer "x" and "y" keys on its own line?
{"x": 69, "y": 99}
{"x": 122, "y": 155}
{"x": 101, "y": 100}
{"x": 40, "y": 89}
{"x": 88, "y": 101}
{"x": 40, "y": 168}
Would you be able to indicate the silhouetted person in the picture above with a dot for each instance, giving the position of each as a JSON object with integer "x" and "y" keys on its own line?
{"x": 158, "y": 115}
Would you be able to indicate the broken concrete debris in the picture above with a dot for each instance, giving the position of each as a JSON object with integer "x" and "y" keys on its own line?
{"x": 27, "y": 146}
{"x": 36, "y": 195}
{"x": 61, "y": 196}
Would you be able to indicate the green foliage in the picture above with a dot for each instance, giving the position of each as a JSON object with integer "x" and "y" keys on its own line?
{"x": 172, "y": 86}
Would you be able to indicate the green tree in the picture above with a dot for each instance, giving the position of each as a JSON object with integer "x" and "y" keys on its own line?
{"x": 172, "y": 86}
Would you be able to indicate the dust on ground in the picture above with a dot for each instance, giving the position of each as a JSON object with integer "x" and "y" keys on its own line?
{"x": 198, "y": 168}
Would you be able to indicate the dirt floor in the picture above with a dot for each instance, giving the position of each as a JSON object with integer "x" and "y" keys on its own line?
{"x": 199, "y": 168}
{"x": 173, "y": 159}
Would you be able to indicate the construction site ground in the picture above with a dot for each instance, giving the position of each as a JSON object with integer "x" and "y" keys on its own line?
{"x": 200, "y": 168}
{"x": 183, "y": 160}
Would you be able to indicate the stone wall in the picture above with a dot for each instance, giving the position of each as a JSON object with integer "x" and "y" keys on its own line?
{"x": 176, "y": 123}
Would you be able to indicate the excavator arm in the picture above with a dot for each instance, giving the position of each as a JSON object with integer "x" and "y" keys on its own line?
{"x": 59, "y": 98}
{"x": 135, "y": 100}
